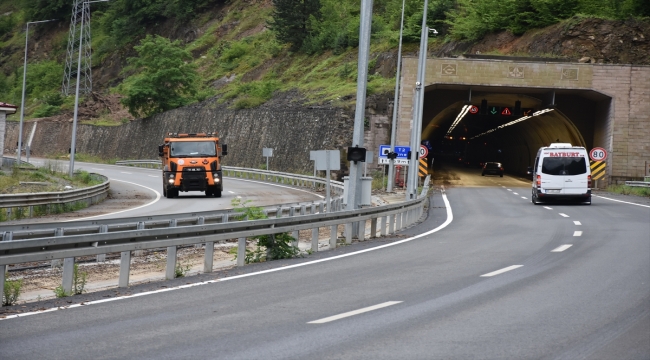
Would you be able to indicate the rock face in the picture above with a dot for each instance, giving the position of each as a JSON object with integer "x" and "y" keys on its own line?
{"x": 291, "y": 130}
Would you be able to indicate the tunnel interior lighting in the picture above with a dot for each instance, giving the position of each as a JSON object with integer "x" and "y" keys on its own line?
{"x": 460, "y": 116}
{"x": 536, "y": 113}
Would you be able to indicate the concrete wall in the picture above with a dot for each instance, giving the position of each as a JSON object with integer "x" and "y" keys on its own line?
{"x": 624, "y": 131}
{"x": 292, "y": 131}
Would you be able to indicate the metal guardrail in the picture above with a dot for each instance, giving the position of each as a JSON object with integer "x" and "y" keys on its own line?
{"x": 638, "y": 183}
{"x": 95, "y": 238}
{"x": 91, "y": 194}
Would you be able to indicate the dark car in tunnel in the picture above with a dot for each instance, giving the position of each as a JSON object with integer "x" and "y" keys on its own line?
{"x": 492, "y": 168}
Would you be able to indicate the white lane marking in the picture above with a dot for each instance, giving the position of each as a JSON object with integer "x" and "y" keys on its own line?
{"x": 621, "y": 201}
{"x": 563, "y": 215}
{"x": 97, "y": 169}
{"x": 577, "y": 233}
{"x": 231, "y": 192}
{"x": 153, "y": 176}
{"x": 124, "y": 172}
{"x": 577, "y": 223}
{"x": 450, "y": 218}
{"x": 561, "y": 248}
{"x": 355, "y": 312}
{"x": 121, "y": 211}
{"x": 502, "y": 270}
{"x": 525, "y": 198}
{"x": 548, "y": 208}
{"x": 238, "y": 197}
{"x": 508, "y": 189}
{"x": 282, "y": 186}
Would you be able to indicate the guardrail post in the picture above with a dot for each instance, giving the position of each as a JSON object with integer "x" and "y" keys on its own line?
{"x": 241, "y": 251}
{"x": 170, "y": 271}
{"x": 125, "y": 268}
{"x": 140, "y": 226}
{"x": 373, "y": 227}
{"x": 313, "y": 209}
{"x": 314, "y": 239}
{"x": 382, "y": 226}
{"x": 57, "y": 262}
{"x": 209, "y": 251}
{"x": 102, "y": 230}
{"x": 348, "y": 233}
{"x": 321, "y": 207}
{"x": 68, "y": 272}
{"x": 398, "y": 226}
{"x": 391, "y": 224}
{"x": 333, "y": 236}
{"x": 295, "y": 233}
{"x": 362, "y": 230}
{"x": 6, "y": 236}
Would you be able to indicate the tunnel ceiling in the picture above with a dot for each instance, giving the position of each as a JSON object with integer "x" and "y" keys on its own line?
{"x": 572, "y": 120}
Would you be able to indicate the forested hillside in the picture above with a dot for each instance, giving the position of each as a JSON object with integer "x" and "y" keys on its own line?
{"x": 151, "y": 56}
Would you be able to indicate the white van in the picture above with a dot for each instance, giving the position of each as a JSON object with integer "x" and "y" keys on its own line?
{"x": 561, "y": 171}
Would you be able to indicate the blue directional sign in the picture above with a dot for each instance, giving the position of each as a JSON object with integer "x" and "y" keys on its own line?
{"x": 402, "y": 151}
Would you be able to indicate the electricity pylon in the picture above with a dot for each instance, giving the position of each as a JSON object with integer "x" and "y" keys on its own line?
{"x": 79, "y": 24}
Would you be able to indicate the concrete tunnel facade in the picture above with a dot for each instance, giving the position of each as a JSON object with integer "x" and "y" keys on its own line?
{"x": 590, "y": 105}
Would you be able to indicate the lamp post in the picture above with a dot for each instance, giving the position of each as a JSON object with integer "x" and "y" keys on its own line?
{"x": 391, "y": 162}
{"x": 22, "y": 102}
{"x": 73, "y": 143}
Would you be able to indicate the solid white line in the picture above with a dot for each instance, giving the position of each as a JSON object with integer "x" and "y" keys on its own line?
{"x": 577, "y": 222}
{"x": 282, "y": 186}
{"x": 561, "y": 248}
{"x": 450, "y": 218}
{"x": 97, "y": 169}
{"x": 563, "y": 215}
{"x": 502, "y": 270}
{"x": 525, "y": 198}
{"x": 624, "y": 202}
{"x": 577, "y": 233}
{"x": 549, "y": 208}
{"x": 153, "y": 176}
{"x": 121, "y": 211}
{"x": 355, "y": 312}
{"x": 124, "y": 172}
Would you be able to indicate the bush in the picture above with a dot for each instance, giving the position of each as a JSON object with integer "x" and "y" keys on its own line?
{"x": 11, "y": 292}
{"x": 46, "y": 110}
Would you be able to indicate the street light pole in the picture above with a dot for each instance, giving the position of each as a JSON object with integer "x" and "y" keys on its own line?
{"x": 76, "y": 95}
{"x": 22, "y": 102}
{"x": 416, "y": 125}
{"x": 391, "y": 162}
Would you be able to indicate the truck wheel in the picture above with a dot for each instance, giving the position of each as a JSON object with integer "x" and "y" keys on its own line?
{"x": 217, "y": 193}
{"x": 169, "y": 193}
{"x": 164, "y": 191}
{"x": 209, "y": 192}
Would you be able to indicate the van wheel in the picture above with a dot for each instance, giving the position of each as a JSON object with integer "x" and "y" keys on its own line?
{"x": 588, "y": 202}
{"x": 534, "y": 199}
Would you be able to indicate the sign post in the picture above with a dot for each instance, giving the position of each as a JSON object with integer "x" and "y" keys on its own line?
{"x": 326, "y": 160}
{"x": 597, "y": 164}
{"x": 267, "y": 153}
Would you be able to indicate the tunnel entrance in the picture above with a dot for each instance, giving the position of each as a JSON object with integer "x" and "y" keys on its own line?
{"x": 474, "y": 124}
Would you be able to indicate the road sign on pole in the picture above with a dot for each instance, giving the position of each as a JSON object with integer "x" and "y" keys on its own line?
{"x": 598, "y": 154}
{"x": 267, "y": 153}
{"x": 423, "y": 151}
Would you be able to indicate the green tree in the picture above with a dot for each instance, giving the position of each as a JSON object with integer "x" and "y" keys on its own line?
{"x": 291, "y": 20}
{"x": 166, "y": 80}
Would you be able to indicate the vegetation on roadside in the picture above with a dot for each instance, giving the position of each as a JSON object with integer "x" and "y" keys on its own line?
{"x": 629, "y": 190}
{"x": 12, "y": 290}
{"x": 267, "y": 247}
{"x": 78, "y": 284}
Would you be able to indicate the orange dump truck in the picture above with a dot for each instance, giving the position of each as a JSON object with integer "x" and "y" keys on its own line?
{"x": 192, "y": 162}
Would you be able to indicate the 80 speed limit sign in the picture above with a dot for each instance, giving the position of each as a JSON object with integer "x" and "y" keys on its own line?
{"x": 598, "y": 154}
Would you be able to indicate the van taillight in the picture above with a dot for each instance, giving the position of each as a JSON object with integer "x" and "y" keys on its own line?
{"x": 539, "y": 181}
{"x": 589, "y": 181}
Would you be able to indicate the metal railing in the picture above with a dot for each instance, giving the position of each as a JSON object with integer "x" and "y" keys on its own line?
{"x": 94, "y": 238}
{"x": 19, "y": 202}
{"x": 638, "y": 183}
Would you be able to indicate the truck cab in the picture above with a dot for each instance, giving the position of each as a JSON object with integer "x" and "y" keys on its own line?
{"x": 192, "y": 162}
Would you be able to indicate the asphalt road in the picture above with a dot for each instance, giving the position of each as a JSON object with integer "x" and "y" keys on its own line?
{"x": 489, "y": 276}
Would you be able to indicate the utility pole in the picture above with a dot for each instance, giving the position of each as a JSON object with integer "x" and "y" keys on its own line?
{"x": 391, "y": 161}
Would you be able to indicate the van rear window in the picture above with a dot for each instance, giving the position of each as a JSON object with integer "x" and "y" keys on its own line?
{"x": 564, "y": 166}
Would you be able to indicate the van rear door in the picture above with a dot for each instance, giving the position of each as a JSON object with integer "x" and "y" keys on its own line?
{"x": 564, "y": 175}
{"x": 552, "y": 175}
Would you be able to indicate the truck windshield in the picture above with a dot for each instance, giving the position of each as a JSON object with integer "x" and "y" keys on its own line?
{"x": 564, "y": 166}
{"x": 192, "y": 148}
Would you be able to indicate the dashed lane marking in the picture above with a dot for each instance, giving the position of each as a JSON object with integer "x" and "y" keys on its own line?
{"x": 561, "y": 248}
{"x": 525, "y": 198}
{"x": 564, "y": 215}
{"x": 577, "y": 223}
{"x": 577, "y": 233}
{"x": 509, "y": 268}
{"x": 355, "y": 312}
{"x": 548, "y": 208}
